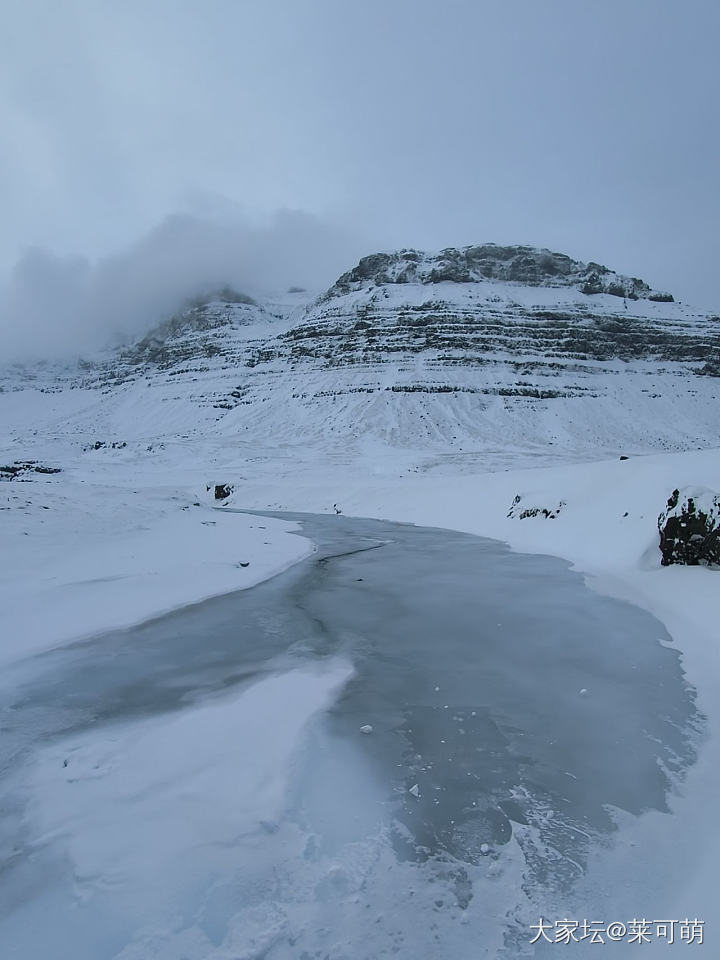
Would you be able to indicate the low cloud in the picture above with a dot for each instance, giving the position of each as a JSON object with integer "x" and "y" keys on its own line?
{"x": 55, "y": 307}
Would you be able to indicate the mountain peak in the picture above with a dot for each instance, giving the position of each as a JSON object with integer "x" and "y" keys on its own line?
{"x": 490, "y": 262}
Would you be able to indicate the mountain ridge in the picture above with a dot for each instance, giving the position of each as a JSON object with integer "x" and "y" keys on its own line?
{"x": 438, "y": 365}
{"x": 531, "y": 266}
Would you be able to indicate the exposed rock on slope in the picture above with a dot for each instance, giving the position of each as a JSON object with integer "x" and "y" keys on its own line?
{"x": 185, "y": 334}
{"x": 521, "y": 509}
{"x": 476, "y": 304}
{"x": 690, "y": 528}
{"x": 518, "y": 264}
{"x": 23, "y": 469}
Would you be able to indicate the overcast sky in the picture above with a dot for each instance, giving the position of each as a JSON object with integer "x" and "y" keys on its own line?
{"x": 325, "y": 129}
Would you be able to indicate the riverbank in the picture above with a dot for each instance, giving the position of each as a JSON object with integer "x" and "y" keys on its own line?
{"x": 83, "y": 556}
{"x": 120, "y": 536}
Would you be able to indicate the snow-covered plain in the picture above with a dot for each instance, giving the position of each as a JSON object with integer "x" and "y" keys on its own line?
{"x": 123, "y": 534}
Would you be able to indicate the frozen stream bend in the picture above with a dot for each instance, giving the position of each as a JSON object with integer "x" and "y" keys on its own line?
{"x": 198, "y": 787}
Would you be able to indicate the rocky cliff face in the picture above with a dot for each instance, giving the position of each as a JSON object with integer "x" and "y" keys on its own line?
{"x": 194, "y": 331}
{"x": 486, "y": 305}
{"x": 528, "y": 266}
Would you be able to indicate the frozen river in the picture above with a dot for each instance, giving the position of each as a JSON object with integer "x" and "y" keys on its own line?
{"x": 199, "y": 788}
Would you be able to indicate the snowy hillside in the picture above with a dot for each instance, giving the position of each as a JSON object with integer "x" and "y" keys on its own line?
{"x": 454, "y": 354}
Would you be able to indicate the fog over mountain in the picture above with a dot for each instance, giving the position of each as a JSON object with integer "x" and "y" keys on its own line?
{"x": 152, "y": 148}
{"x": 59, "y": 306}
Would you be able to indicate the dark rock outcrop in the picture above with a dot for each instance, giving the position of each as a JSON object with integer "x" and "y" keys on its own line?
{"x": 223, "y": 490}
{"x": 107, "y": 445}
{"x": 689, "y": 528}
{"x": 20, "y": 469}
{"x": 521, "y": 510}
{"x": 489, "y": 261}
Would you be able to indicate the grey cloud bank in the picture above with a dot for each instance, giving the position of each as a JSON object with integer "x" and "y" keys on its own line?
{"x": 58, "y": 306}
{"x": 585, "y": 128}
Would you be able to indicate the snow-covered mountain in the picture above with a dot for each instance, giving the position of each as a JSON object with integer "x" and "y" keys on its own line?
{"x": 472, "y": 350}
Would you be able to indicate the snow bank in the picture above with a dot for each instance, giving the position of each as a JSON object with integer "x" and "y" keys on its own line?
{"x": 83, "y": 557}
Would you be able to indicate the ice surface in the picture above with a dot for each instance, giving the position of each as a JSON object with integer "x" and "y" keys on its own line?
{"x": 196, "y": 788}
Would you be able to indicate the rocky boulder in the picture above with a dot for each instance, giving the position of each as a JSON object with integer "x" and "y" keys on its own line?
{"x": 689, "y": 528}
